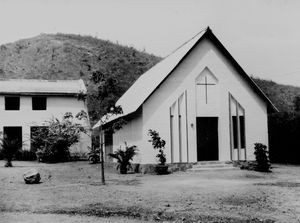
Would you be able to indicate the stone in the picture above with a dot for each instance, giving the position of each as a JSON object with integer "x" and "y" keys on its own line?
{"x": 32, "y": 177}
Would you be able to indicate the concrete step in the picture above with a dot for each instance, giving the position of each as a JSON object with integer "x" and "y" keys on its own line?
{"x": 212, "y": 162}
{"x": 212, "y": 165}
{"x": 212, "y": 169}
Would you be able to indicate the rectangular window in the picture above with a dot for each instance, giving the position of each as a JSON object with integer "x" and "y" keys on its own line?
{"x": 242, "y": 131}
{"x": 39, "y": 103}
{"x": 235, "y": 132}
{"x": 12, "y": 103}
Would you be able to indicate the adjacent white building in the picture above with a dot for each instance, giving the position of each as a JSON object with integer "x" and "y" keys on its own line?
{"x": 201, "y": 102}
{"x": 26, "y": 104}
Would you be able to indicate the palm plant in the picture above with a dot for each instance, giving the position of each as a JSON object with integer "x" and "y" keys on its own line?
{"x": 124, "y": 157}
{"x": 9, "y": 148}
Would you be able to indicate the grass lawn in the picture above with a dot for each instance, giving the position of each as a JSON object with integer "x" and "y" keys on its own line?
{"x": 72, "y": 192}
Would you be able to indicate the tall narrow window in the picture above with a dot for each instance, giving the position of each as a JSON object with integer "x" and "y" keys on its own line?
{"x": 172, "y": 108}
{"x": 235, "y": 132}
{"x": 180, "y": 129}
{"x": 12, "y": 103}
{"x": 39, "y": 103}
{"x": 242, "y": 131}
{"x": 237, "y": 129}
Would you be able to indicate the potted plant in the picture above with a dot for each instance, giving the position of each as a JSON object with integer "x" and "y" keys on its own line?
{"x": 159, "y": 143}
{"x": 123, "y": 157}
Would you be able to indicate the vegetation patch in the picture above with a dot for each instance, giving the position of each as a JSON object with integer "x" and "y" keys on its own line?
{"x": 138, "y": 212}
{"x": 280, "y": 184}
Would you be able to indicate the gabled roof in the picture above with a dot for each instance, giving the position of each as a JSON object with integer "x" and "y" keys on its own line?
{"x": 41, "y": 87}
{"x": 146, "y": 84}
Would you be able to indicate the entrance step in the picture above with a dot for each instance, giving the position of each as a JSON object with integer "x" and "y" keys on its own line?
{"x": 212, "y": 165}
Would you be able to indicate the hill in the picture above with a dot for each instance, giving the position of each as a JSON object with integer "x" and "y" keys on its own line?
{"x": 67, "y": 56}
{"x": 282, "y": 96}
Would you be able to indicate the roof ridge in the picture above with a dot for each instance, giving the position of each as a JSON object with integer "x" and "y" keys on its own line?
{"x": 193, "y": 37}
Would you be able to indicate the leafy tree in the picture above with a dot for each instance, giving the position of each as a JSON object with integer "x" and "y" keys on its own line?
{"x": 53, "y": 141}
{"x": 106, "y": 92}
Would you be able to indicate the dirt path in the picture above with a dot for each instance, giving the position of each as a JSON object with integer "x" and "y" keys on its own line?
{"x": 23, "y": 217}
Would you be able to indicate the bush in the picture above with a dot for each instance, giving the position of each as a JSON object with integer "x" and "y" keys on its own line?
{"x": 25, "y": 155}
{"x": 262, "y": 158}
{"x": 52, "y": 142}
{"x": 9, "y": 148}
{"x": 123, "y": 157}
{"x": 158, "y": 143}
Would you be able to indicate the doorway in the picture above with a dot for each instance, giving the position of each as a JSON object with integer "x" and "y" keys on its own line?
{"x": 13, "y": 133}
{"x": 207, "y": 138}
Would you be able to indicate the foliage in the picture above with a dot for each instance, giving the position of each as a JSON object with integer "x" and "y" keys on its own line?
{"x": 9, "y": 148}
{"x": 262, "y": 157}
{"x": 158, "y": 143}
{"x": 25, "y": 155}
{"x": 94, "y": 154}
{"x": 297, "y": 103}
{"x": 284, "y": 131}
{"x": 124, "y": 157}
{"x": 52, "y": 142}
{"x": 94, "y": 151}
{"x": 283, "y": 96}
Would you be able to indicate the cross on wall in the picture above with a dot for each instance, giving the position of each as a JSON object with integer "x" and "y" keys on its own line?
{"x": 206, "y": 84}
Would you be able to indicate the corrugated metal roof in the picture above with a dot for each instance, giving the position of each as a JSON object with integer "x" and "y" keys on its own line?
{"x": 146, "y": 84}
{"x": 45, "y": 87}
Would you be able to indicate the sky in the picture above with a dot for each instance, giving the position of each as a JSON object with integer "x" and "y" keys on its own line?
{"x": 262, "y": 35}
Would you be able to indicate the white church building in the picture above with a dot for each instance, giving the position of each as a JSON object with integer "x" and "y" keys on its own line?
{"x": 202, "y": 103}
{"x": 25, "y": 104}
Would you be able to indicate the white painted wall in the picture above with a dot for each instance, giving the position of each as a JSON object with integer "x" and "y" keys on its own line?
{"x": 57, "y": 106}
{"x": 204, "y": 58}
{"x": 131, "y": 133}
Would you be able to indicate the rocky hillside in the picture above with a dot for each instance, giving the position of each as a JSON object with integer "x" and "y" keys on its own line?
{"x": 63, "y": 56}
{"x": 66, "y": 56}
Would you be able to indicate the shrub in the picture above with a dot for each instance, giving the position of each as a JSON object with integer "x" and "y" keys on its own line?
{"x": 158, "y": 143}
{"x": 262, "y": 157}
{"x": 123, "y": 157}
{"x": 94, "y": 154}
{"x": 9, "y": 148}
{"x": 25, "y": 155}
{"x": 52, "y": 142}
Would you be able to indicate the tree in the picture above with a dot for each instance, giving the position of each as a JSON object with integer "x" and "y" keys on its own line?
{"x": 297, "y": 103}
{"x": 53, "y": 141}
{"x": 106, "y": 92}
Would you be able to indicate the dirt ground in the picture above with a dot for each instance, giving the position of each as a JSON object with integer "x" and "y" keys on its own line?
{"x": 72, "y": 192}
